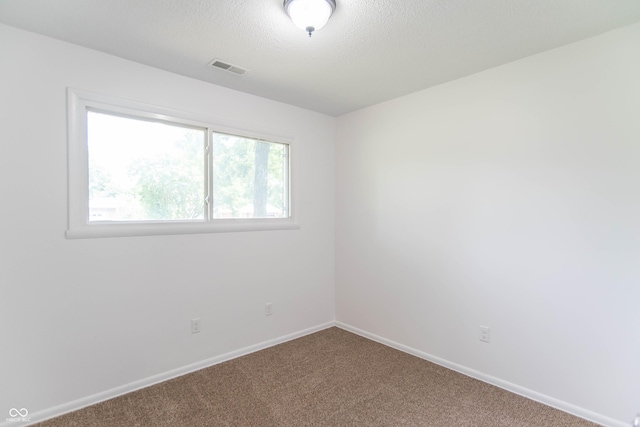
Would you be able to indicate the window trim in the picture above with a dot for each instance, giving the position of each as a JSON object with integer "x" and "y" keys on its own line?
{"x": 79, "y": 226}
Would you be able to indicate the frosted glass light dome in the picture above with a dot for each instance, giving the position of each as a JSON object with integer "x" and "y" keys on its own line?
{"x": 310, "y": 15}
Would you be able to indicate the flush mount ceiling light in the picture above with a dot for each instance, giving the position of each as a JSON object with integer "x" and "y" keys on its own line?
{"x": 309, "y": 15}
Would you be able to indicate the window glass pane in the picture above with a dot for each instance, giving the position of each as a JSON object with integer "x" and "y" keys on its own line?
{"x": 142, "y": 170}
{"x": 250, "y": 178}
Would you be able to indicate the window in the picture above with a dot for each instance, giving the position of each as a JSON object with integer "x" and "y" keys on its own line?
{"x": 250, "y": 178}
{"x": 136, "y": 169}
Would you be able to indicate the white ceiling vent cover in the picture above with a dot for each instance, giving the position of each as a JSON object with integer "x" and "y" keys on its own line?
{"x": 227, "y": 67}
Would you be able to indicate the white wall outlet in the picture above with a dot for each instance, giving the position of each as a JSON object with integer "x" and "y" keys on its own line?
{"x": 485, "y": 334}
{"x": 195, "y": 325}
{"x": 268, "y": 310}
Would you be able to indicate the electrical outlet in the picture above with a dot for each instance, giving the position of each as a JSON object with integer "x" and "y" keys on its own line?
{"x": 268, "y": 309}
{"x": 485, "y": 334}
{"x": 195, "y": 325}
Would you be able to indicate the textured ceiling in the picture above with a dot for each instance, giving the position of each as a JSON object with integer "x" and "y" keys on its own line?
{"x": 370, "y": 51}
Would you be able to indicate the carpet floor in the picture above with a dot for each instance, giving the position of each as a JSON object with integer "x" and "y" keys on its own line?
{"x": 330, "y": 378}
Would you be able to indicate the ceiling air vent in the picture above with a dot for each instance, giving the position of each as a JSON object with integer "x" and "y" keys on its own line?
{"x": 227, "y": 67}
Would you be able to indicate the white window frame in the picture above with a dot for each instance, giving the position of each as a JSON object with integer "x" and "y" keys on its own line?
{"x": 79, "y": 226}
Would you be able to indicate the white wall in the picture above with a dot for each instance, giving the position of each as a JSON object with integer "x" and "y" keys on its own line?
{"x": 80, "y": 317}
{"x": 511, "y": 199}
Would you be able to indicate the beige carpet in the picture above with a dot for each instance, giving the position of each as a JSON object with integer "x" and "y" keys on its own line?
{"x": 330, "y": 378}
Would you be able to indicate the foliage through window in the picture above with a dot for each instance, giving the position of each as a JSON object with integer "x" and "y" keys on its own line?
{"x": 249, "y": 178}
{"x": 141, "y": 166}
{"x": 141, "y": 170}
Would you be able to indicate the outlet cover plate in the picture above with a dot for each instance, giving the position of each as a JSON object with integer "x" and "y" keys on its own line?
{"x": 485, "y": 334}
{"x": 195, "y": 325}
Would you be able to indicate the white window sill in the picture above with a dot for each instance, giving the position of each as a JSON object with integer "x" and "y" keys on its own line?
{"x": 171, "y": 228}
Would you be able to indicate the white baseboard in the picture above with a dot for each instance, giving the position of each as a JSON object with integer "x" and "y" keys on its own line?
{"x": 56, "y": 411}
{"x": 514, "y": 388}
